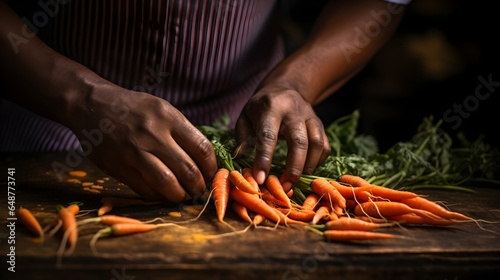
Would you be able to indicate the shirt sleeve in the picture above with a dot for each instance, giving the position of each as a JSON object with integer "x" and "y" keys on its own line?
{"x": 401, "y": 2}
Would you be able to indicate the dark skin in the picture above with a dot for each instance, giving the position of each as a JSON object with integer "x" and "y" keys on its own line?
{"x": 150, "y": 146}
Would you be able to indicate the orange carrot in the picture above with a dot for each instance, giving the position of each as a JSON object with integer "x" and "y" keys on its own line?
{"x": 299, "y": 215}
{"x": 344, "y": 223}
{"x": 221, "y": 187}
{"x": 346, "y": 191}
{"x": 254, "y": 203}
{"x": 350, "y": 203}
{"x": 289, "y": 193}
{"x": 425, "y": 204}
{"x": 69, "y": 225}
{"x": 241, "y": 211}
{"x": 25, "y": 217}
{"x": 348, "y": 235}
{"x": 371, "y": 219}
{"x": 276, "y": 189}
{"x": 124, "y": 229}
{"x": 248, "y": 175}
{"x": 322, "y": 213}
{"x": 415, "y": 219}
{"x": 384, "y": 209}
{"x": 354, "y": 181}
{"x": 284, "y": 219}
{"x": 311, "y": 202}
{"x": 323, "y": 188}
{"x": 113, "y": 219}
{"x": 367, "y": 192}
{"x": 258, "y": 219}
{"x": 241, "y": 183}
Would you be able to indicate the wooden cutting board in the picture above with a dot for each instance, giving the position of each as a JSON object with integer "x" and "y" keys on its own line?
{"x": 457, "y": 252}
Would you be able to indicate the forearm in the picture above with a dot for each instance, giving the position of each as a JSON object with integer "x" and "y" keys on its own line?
{"x": 37, "y": 77}
{"x": 345, "y": 37}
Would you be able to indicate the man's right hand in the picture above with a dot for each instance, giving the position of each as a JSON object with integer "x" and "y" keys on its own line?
{"x": 146, "y": 143}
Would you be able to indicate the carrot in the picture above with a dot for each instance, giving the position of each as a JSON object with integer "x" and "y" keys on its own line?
{"x": 323, "y": 188}
{"x": 268, "y": 197}
{"x": 25, "y": 217}
{"x": 371, "y": 219}
{"x": 67, "y": 217}
{"x": 221, "y": 187}
{"x": 284, "y": 219}
{"x": 415, "y": 219}
{"x": 346, "y": 191}
{"x": 248, "y": 175}
{"x": 344, "y": 223}
{"x": 241, "y": 183}
{"x": 120, "y": 229}
{"x": 274, "y": 186}
{"x": 322, "y": 213}
{"x": 77, "y": 173}
{"x": 425, "y": 204}
{"x": 350, "y": 203}
{"x": 304, "y": 215}
{"x": 310, "y": 202}
{"x": 384, "y": 209}
{"x": 242, "y": 212}
{"x": 367, "y": 192}
{"x": 258, "y": 219}
{"x": 289, "y": 193}
{"x": 354, "y": 181}
{"x": 349, "y": 235}
{"x": 254, "y": 203}
{"x": 110, "y": 202}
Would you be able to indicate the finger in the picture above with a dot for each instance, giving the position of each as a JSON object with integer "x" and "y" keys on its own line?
{"x": 295, "y": 133}
{"x": 316, "y": 137}
{"x": 160, "y": 178}
{"x": 266, "y": 137}
{"x": 245, "y": 136}
{"x": 131, "y": 177}
{"x": 183, "y": 167}
{"x": 198, "y": 148}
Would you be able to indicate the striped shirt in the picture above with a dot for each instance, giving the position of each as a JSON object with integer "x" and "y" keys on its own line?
{"x": 205, "y": 57}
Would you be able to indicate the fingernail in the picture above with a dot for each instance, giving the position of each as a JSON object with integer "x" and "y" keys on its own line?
{"x": 261, "y": 177}
{"x": 287, "y": 186}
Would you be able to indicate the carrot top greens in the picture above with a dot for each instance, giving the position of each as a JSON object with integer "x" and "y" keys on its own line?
{"x": 429, "y": 160}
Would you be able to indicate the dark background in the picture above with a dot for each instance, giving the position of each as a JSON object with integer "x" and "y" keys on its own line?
{"x": 432, "y": 62}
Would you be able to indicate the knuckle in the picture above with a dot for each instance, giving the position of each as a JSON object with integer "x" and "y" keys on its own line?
{"x": 267, "y": 135}
{"x": 294, "y": 174}
{"x": 299, "y": 141}
{"x": 205, "y": 149}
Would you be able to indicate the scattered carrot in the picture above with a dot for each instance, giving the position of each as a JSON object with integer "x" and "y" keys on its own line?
{"x": 241, "y": 183}
{"x": 258, "y": 219}
{"x": 77, "y": 173}
{"x": 221, "y": 187}
{"x": 25, "y": 217}
{"x": 120, "y": 229}
{"x": 67, "y": 217}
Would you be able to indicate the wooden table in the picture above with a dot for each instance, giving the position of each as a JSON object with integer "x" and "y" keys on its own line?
{"x": 465, "y": 251}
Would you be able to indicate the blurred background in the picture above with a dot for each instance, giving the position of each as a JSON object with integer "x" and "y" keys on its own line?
{"x": 429, "y": 67}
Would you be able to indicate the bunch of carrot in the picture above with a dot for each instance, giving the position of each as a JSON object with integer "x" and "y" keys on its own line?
{"x": 346, "y": 209}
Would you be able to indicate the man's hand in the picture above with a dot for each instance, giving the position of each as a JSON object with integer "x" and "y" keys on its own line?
{"x": 150, "y": 145}
{"x": 278, "y": 112}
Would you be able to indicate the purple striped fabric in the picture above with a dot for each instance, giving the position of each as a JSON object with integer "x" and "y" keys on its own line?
{"x": 204, "y": 57}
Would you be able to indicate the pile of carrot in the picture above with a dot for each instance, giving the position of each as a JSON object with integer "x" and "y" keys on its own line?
{"x": 346, "y": 209}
